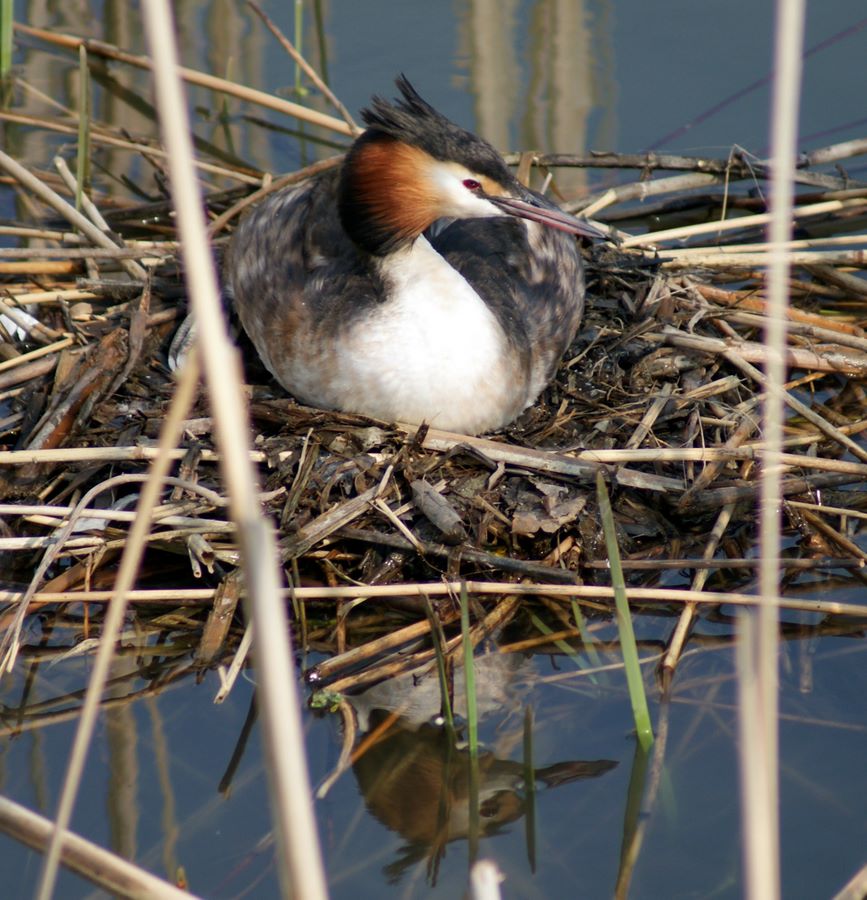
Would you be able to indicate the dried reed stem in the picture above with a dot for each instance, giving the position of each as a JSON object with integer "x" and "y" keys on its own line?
{"x": 311, "y": 73}
{"x": 297, "y": 842}
{"x": 586, "y": 592}
{"x": 758, "y": 649}
{"x": 70, "y": 213}
{"x": 269, "y": 101}
{"x": 105, "y": 869}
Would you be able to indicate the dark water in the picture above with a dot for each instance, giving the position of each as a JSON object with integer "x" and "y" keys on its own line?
{"x": 560, "y": 76}
{"x": 151, "y": 790}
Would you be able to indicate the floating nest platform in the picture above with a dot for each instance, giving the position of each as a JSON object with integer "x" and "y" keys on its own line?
{"x": 379, "y": 524}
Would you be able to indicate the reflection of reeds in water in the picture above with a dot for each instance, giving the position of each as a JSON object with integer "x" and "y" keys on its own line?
{"x": 662, "y": 389}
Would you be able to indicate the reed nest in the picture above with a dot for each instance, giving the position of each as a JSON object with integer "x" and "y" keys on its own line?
{"x": 379, "y": 524}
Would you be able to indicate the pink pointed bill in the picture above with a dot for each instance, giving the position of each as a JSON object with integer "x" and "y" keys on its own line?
{"x": 553, "y": 218}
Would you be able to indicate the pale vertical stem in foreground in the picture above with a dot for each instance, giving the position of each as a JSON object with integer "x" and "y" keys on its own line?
{"x": 296, "y": 838}
{"x": 759, "y": 672}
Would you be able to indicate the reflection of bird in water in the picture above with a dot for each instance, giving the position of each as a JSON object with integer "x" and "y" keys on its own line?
{"x": 502, "y": 682}
{"x": 419, "y": 283}
{"x": 417, "y": 783}
{"x": 414, "y": 777}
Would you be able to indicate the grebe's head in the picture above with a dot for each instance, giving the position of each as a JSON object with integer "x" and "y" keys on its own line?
{"x": 413, "y": 166}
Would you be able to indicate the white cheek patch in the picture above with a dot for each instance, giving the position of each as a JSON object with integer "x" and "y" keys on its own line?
{"x": 457, "y": 200}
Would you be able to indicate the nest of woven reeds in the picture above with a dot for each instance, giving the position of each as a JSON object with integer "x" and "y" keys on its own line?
{"x": 661, "y": 392}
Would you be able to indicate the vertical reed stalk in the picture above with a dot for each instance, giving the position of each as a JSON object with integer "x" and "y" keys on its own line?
{"x": 82, "y": 162}
{"x": 6, "y": 18}
{"x": 300, "y": 89}
{"x": 296, "y": 838}
{"x": 758, "y": 653}
{"x": 320, "y": 40}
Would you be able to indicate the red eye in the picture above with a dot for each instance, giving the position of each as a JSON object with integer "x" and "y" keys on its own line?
{"x": 472, "y": 185}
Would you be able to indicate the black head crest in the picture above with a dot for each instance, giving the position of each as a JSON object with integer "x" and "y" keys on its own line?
{"x": 413, "y": 120}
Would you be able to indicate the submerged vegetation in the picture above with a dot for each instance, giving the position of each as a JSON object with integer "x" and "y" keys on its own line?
{"x": 406, "y": 547}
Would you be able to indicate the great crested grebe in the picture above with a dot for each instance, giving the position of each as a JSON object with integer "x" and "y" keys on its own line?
{"x": 420, "y": 282}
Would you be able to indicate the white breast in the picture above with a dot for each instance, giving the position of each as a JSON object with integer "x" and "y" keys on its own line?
{"x": 432, "y": 352}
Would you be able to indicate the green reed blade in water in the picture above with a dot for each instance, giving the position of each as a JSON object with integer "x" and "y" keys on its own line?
{"x": 300, "y": 89}
{"x": 224, "y": 114}
{"x": 439, "y": 643}
{"x": 469, "y": 675}
{"x": 529, "y": 788}
{"x": 586, "y": 637}
{"x": 321, "y": 41}
{"x": 563, "y": 646}
{"x": 631, "y": 842}
{"x": 5, "y": 38}
{"x": 472, "y": 728}
{"x": 624, "y": 620}
{"x": 82, "y": 162}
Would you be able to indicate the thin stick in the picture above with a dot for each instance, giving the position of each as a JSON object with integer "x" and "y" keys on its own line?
{"x": 684, "y": 623}
{"x": 229, "y": 677}
{"x": 25, "y": 358}
{"x": 311, "y": 73}
{"x": 141, "y": 146}
{"x": 645, "y": 426}
{"x": 758, "y": 655}
{"x": 831, "y": 359}
{"x": 133, "y": 252}
{"x": 721, "y": 259}
{"x": 297, "y": 842}
{"x": 641, "y": 190}
{"x": 168, "y": 514}
{"x": 833, "y": 535}
{"x": 105, "y": 869}
{"x": 72, "y": 215}
{"x": 840, "y": 240}
{"x": 82, "y": 160}
{"x": 194, "y": 596}
{"x": 775, "y": 390}
{"x": 77, "y": 188}
{"x": 100, "y": 48}
{"x": 836, "y": 152}
{"x": 277, "y": 184}
{"x": 529, "y": 458}
{"x": 737, "y": 223}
